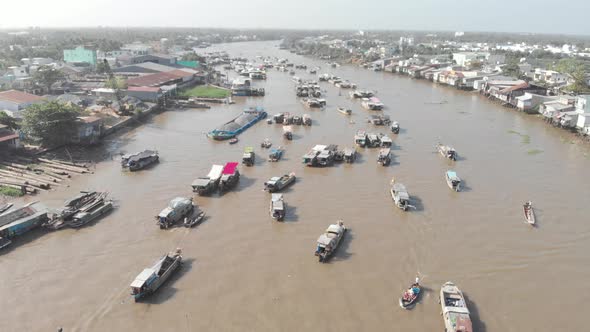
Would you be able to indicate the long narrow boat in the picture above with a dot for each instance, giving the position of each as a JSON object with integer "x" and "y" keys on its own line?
{"x": 529, "y": 213}
{"x": 150, "y": 279}
{"x": 453, "y": 180}
{"x": 239, "y": 124}
{"x": 454, "y": 309}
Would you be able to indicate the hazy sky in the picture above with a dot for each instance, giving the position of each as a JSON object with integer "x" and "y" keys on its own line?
{"x": 544, "y": 16}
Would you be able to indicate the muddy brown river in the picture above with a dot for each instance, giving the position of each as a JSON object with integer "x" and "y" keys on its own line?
{"x": 245, "y": 272}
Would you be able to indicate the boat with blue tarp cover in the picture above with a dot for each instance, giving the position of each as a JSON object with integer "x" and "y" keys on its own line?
{"x": 239, "y": 124}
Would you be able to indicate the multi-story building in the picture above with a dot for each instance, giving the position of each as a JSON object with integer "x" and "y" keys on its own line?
{"x": 80, "y": 55}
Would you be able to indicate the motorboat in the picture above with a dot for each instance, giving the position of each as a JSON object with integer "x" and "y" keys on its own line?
{"x": 329, "y": 241}
{"x": 278, "y": 183}
{"x": 360, "y": 138}
{"x": 150, "y": 279}
{"x": 275, "y": 154}
{"x": 400, "y": 195}
{"x": 92, "y": 211}
{"x": 194, "y": 218}
{"x": 349, "y": 155}
{"x": 372, "y": 104}
{"x": 447, "y": 151}
{"x": 360, "y": 94}
{"x": 411, "y": 295}
{"x": 277, "y": 207}
{"x": 288, "y": 132}
{"x": 453, "y": 180}
{"x": 233, "y": 140}
{"x": 454, "y": 309}
{"x": 140, "y": 160}
{"x": 386, "y": 141}
{"x": 266, "y": 143}
{"x": 248, "y": 158}
{"x": 306, "y": 120}
{"x": 384, "y": 157}
{"x": 529, "y": 213}
{"x": 178, "y": 209}
{"x": 395, "y": 127}
{"x": 344, "y": 110}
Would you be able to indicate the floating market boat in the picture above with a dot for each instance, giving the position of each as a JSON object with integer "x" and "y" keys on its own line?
{"x": 372, "y": 104}
{"x": 360, "y": 94}
{"x": 453, "y": 180}
{"x": 386, "y": 141}
{"x": 277, "y": 207}
{"x": 194, "y": 218}
{"x": 229, "y": 177}
{"x": 379, "y": 120}
{"x": 248, "y": 158}
{"x": 208, "y": 184}
{"x": 140, "y": 160}
{"x": 373, "y": 140}
{"x": 411, "y": 295}
{"x": 349, "y": 155}
{"x": 150, "y": 279}
{"x": 327, "y": 156}
{"x": 306, "y": 120}
{"x": 454, "y": 309}
{"x": 276, "y": 183}
{"x": 178, "y": 209}
{"x": 360, "y": 138}
{"x": 529, "y": 213}
{"x": 395, "y": 127}
{"x": 239, "y": 124}
{"x": 447, "y": 151}
{"x": 400, "y": 195}
{"x": 384, "y": 157}
{"x": 275, "y": 154}
{"x": 329, "y": 241}
{"x": 288, "y": 132}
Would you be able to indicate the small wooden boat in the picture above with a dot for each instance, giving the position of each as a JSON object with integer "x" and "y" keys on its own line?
{"x": 454, "y": 309}
{"x": 233, "y": 140}
{"x": 529, "y": 213}
{"x": 344, "y": 110}
{"x": 329, "y": 241}
{"x": 196, "y": 217}
{"x": 150, "y": 279}
{"x": 266, "y": 143}
{"x": 411, "y": 295}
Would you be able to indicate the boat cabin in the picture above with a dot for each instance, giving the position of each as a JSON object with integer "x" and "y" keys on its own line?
{"x": 277, "y": 207}
{"x": 373, "y": 140}
{"x": 384, "y": 156}
{"x": 177, "y": 209}
{"x": 400, "y": 196}
{"x": 275, "y": 154}
{"x": 229, "y": 177}
{"x": 349, "y": 155}
{"x": 386, "y": 141}
{"x": 248, "y": 158}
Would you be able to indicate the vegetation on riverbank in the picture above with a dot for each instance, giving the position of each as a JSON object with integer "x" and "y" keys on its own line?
{"x": 206, "y": 91}
{"x": 9, "y": 191}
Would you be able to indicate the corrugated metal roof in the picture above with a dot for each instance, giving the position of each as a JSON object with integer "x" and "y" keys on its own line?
{"x": 20, "y": 97}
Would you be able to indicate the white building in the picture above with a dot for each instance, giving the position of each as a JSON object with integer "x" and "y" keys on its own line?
{"x": 549, "y": 76}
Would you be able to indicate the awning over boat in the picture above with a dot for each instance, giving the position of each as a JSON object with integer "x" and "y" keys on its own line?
{"x": 144, "y": 276}
{"x": 215, "y": 172}
{"x": 230, "y": 168}
{"x": 201, "y": 182}
{"x": 277, "y": 197}
{"x": 324, "y": 240}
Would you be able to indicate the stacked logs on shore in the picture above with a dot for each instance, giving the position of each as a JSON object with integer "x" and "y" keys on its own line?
{"x": 39, "y": 174}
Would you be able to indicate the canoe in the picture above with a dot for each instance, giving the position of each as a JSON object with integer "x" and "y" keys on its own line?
{"x": 529, "y": 213}
{"x": 410, "y": 296}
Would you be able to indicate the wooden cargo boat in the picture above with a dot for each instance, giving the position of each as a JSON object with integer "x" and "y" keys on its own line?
{"x": 229, "y": 177}
{"x": 239, "y": 124}
{"x": 384, "y": 157}
{"x": 276, "y": 183}
{"x": 277, "y": 207}
{"x": 207, "y": 184}
{"x": 329, "y": 241}
{"x": 248, "y": 158}
{"x": 529, "y": 213}
{"x": 411, "y": 295}
{"x": 91, "y": 212}
{"x": 150, "y": 279}
{"x": 178, "y": 209}
{"x": 453, "y": 180}
{"x": 454, "y": 309}
{"x": 400, "y": 195}
{"x": 137, "y": 161}
{"x": 372, "y": 104}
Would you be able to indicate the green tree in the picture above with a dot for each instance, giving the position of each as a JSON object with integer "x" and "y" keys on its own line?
{"x": 103, "y": 67}
{"x": 116, "y": 83}
{"x": 7, "y": 120}
{"x": 577, "y": 71}
{"x": 511, "y": 69}
{"x": 45, "y": 76}
{"x": 193, "y": 57}
{"x": 53, "y": 123}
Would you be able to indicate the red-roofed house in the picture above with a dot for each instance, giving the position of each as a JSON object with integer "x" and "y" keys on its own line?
{"x": 155, "y": 80}
{"x": 14, "y": 101}
{"x": 8, "y": 138}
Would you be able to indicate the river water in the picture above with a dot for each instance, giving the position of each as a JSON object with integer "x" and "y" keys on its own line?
{"x": 244, "y": 272}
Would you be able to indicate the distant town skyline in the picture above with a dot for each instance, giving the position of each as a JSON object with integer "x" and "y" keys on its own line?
{"x": 568, "y": 17}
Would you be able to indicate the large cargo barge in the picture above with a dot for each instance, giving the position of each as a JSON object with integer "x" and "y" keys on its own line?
{"x": 238, "y": 125}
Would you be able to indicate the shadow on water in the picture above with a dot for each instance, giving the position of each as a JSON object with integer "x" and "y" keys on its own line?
{"x": 245, "y": 183}
{"x": 478, "y": 325}
{"x": 166, "y": 290}
{"x": 24, "y": 239}
{"x": 291, "y": 215}
{"x": 342, "y": 252}
{"x": 416, "y": 203}
{"x": 465, "y": 187}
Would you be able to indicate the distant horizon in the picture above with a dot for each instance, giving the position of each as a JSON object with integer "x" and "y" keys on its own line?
{"x": 503, "y": 16}
{"x": 168, "y": 27}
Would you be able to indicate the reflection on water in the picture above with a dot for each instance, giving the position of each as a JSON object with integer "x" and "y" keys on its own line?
{"x": 248, "y": 273}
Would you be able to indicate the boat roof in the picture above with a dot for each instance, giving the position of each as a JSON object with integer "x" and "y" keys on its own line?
{"x": 201, "y": 182}
{"x": 374, "y": 100}
{"x": 385, "y": 151}
{"x": 249, "y": 149}
{"x": 142, "y": 277}
{"x": 398, "y": 187}
{"x": 276, "y": 197}
{"x": 230, "y": 168}
{"x": 141, "y": 155}
{"x": 386, "y": 139}
{"x": 453, "y": 175}
{"x": 275, "y": 150}
{"x": 319, "y": 147}
{"x": 179, "y": 201}
{"x": 324, "y": 239}
{"x": 215, "y": 172}
{"x": 334, "y": 228}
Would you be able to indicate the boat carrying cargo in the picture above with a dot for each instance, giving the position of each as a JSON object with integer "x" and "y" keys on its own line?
{"x": 20, "y": 221}
{"x": 239, "y": 124}
{"x": 207, "y": 184}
